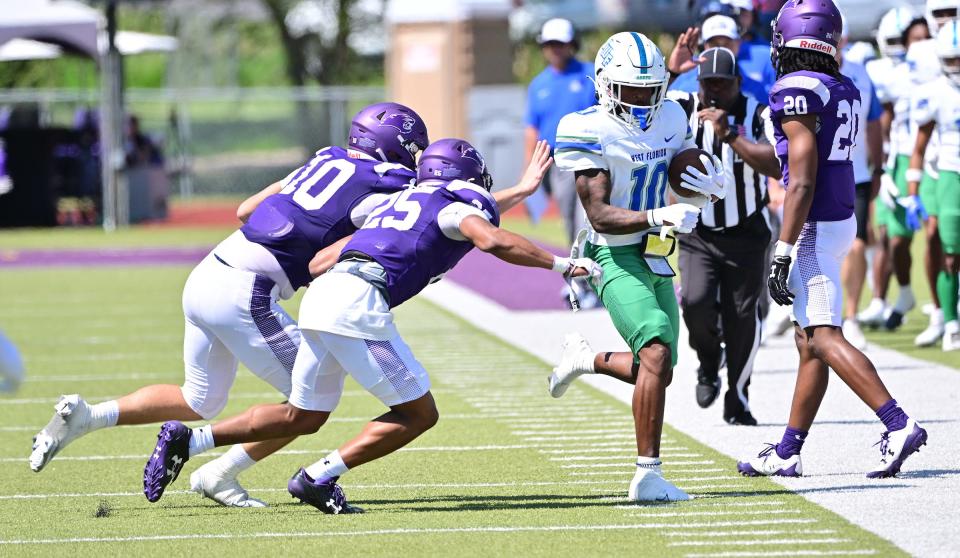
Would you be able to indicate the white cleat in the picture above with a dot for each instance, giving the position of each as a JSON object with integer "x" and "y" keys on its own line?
{"x": 575, "y": 350}
{"x": 896, "y": 447}
{"x": 951, "y": 337}
{"x": 768, "y": 463}
{"x": 206, "y": 482}
{"x": 934, "y": 331}
{"x": 854, "y": 335}
{"x": 70, "y": 420}
{"x": 874, "y": 315}
{"x": 648, "y": 485}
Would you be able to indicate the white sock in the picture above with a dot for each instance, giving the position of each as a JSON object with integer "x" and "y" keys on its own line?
{"x": 201, "y": 440}
{"x": 328, "y": 467}
{"x": 648, "y": 463}
{"x": 905, "y": 299}
{"x": 584, "y": 362}
{"x": 936, "y": 317}
{"x": 104, "y": 414}
{"x": 951, "y": 327}
{"x": 234, "y": 462}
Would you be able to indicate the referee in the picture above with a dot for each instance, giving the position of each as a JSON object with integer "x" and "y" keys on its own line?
{"x": 723, "y": 261}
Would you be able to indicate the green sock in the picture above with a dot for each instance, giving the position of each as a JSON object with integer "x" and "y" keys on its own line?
{"x": 947, "y": 284}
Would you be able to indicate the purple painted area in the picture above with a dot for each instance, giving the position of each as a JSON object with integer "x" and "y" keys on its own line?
{"x": 512, "y": 286}
{"x": 106, "y": 256}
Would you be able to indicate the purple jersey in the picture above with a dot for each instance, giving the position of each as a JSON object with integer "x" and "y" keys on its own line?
{"x": 410, "y": 239}
{"x": 836, "y": 102}
{"x": 317, "y": 207}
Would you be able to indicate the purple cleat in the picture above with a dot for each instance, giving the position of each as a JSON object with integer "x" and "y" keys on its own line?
{"x": 769, "y": 464}
{"x": 326, "y": 496}
{"x": 896, "y": 447}
{"x": 164, "y": 465}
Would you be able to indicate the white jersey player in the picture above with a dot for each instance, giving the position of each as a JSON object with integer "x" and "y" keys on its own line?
{"x": 620, "y": 151}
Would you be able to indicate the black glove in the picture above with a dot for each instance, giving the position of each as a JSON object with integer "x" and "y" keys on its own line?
{"x": 777, "y": 281}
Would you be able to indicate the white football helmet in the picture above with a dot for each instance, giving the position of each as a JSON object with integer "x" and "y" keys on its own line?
{"x": 948, "y": 50}
{"x": 631, "y": 63}
{"x": 939, "y": 12}
{"x": 923, "y": 62}
{"x": 890, "y": 31}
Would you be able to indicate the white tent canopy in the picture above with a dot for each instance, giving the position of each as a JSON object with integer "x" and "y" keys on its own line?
{"x": 64, "y": 22}
{"x": 133, "y": 42}
{"x": 27, "y": 49}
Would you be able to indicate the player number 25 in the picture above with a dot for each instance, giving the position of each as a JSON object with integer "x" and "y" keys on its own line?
{"x": 404, "y": 211}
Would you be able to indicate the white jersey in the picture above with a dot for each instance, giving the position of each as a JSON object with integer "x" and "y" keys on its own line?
{"x": 920, "y": 68}
{"x": 636, "y": 159}
{"x": 858, "y": 74}
{"x": 882, "y": 74}
{"x": 942, "y": 105}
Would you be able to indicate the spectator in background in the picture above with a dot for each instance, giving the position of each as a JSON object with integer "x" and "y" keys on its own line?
{"x": 564, "y": 86}
{"x": 139, "y": 148}
{"x": 756, "y": 71}
{"x": 867, "y": 157}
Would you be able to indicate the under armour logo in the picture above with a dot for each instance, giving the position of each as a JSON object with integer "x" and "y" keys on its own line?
{"x": 331, "y": 505}
{"x": 326, "y": 461}
{"x": 177, "y": 464}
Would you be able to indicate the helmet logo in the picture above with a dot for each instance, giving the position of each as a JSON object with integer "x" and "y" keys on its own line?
{"x": 402, "y": 122}
{"x": 473, "y": 155}
{"x": 606, "y": 53}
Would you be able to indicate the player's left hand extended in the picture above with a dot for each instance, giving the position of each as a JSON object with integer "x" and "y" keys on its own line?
{"x": 777, "y": 281}
{"x": 710, "y": 183}
{"x": 916, "y": 213}
{"x": 540, "y": 162}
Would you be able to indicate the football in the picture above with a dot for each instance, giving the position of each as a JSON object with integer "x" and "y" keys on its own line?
{"x": 679, "y": 164}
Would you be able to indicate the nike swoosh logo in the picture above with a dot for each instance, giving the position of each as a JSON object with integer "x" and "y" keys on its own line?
{"x": 669, "y": 138}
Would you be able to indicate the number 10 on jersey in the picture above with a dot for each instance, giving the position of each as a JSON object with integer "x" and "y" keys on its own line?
{"x": 648, "y": 187}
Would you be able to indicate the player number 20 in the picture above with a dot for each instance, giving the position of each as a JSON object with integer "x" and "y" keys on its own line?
{"x": 848, "y": 113}
{"x": 794, "y": 105}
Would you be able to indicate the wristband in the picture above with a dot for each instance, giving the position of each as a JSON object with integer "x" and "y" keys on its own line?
{"x": 782, "y": 249}
{"x": 731, "y": 135}
{"x": 914, "y": 175}
{"x": 651, "y": 220}
{"x": 560, "y": 265}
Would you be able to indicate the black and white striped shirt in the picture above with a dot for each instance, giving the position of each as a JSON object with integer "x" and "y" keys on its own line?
{"x": 749, "y": 193}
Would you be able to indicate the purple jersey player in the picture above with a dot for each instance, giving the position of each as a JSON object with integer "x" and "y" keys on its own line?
{"x": 815, "y": 115}
{"x": 347, "y": 323}
{"x": 230, "y": 298}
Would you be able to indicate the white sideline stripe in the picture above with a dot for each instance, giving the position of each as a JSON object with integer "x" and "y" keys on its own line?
{"x": 407, "y": 531}
{"x": 859, "y": 552}
{"x": 760, "y": 542}
{"x": 714, "y": 513}
{"x": 602, "y": 457}
{"x": 351, "y": 487}
{"x": 238, "y": 395}
{"x": 580, "y": 438}
{"x": 598, "y": 473}
{"x": 73, "y": 378}
{"x": 612, "y": 431}
{"x": 587, "y": 449}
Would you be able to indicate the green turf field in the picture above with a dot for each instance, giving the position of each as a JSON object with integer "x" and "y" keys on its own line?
{"x": 507, "y": 470}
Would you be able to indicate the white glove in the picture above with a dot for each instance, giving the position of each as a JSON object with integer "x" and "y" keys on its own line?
{"x": 567, "y": 266}
{"x": 682, "y": 217}
{"x": 711, "y": 183}
{"x": 888, "y": 191}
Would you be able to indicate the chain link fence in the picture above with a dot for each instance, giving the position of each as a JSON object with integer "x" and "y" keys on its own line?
{"x": 214, "y": 141}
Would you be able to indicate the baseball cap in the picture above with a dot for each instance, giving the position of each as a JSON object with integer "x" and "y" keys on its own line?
{"x": 719, "y": 26}
{"x": 557, "y": 29}
{"x": 717, "y": 63}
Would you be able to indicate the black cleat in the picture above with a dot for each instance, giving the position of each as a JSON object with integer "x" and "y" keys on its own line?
{"x": 325, "y": 496}
{"x": 742, "y": 417}
{"x": 707, "y": 390}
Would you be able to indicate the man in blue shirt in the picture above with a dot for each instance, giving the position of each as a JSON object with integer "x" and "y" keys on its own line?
{"x": 753, "y": 58}
{"x": 564, "y": 86}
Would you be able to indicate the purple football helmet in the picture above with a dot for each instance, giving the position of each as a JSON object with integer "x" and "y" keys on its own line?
{"x": 389, "y": 132}
{"x": 806, "y": 24}
{"x": 453, "y": 159}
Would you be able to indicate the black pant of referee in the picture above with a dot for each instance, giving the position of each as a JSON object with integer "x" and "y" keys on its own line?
{"x": 722, "y": 277}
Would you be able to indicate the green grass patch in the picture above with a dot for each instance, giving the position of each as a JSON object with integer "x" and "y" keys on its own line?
{"x": 492, "y": 478}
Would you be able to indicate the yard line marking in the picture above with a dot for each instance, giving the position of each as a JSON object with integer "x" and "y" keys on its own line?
{"x": 608, "y": 431}
{"x": 587, "y": 449}
{"x": 572, "y": 438}
{"x": 602, "y": 457}
{"x": 714, "y": 513}
{"x": 859, "y": 552}
{"x": 683, "y": 533}
{"x": 601, "y": 473}
{"x": 725, "y": 504}
{"x": 403, "y": 531}
{"x": 666, "y": 464}
{"x": 239, "y": 395}
{"x": 760, "y": 542}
